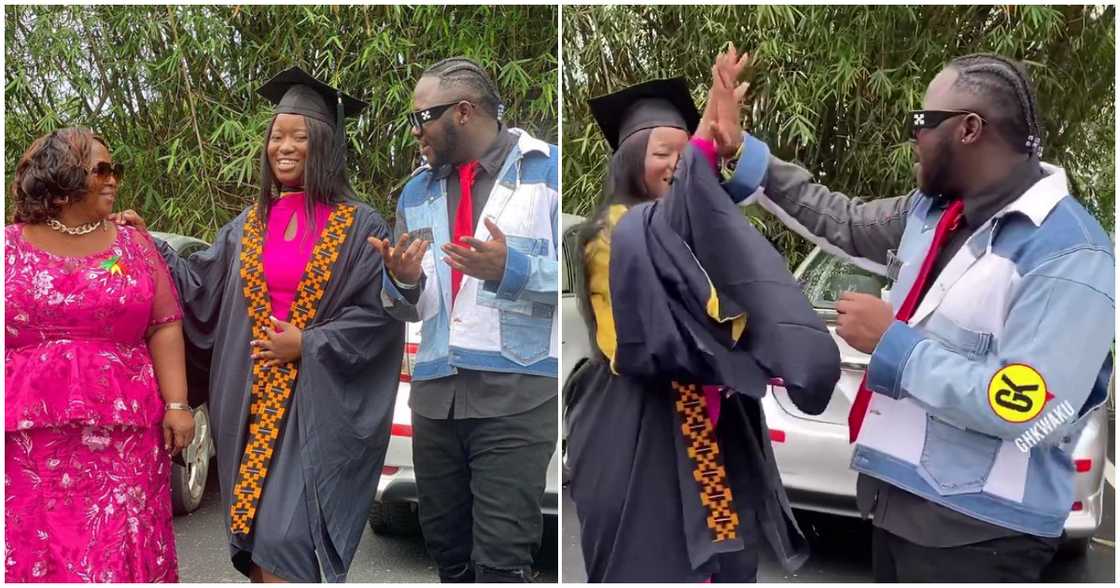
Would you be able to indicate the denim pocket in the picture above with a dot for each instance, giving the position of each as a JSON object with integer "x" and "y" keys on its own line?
{"x": 526, "y": 338}
{"x": 972, "y": 344}
{"x": 956, "y": 461}
{"x": 526, "y": 326}
{"x": 528, "y": 246}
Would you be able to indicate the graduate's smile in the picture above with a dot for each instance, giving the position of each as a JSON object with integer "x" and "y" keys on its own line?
{"x": 287, "y": 148}
{"x": 286, "y": 164}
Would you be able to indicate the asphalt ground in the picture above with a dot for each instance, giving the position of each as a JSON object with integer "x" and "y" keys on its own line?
{"x": 204, "y": 554}
{"x": 840, "y": 546}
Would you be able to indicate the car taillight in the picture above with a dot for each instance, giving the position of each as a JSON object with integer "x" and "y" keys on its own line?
{"x": 1082, "y": 465}
{"x": 408, "y": 362}
{"x": 1077, "y": 506}
{"x": 390, "y": 470}
{"x": 401, "y": 430}
{"x": 777, "y": 436}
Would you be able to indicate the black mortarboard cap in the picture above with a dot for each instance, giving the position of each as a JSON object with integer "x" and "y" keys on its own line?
{"x": 295, "y": 91}
{"x": 656, "y": 103}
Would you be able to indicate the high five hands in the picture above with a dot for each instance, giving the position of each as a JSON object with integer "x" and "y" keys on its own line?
{"x": 725, "y": 99}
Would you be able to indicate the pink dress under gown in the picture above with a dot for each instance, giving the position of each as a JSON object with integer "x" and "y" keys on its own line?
{"x": 87, "y": 481}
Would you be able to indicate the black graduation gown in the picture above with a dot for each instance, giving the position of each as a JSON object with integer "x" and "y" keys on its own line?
{"x": 332, "y": 448}
{"x": 631, "y": 477}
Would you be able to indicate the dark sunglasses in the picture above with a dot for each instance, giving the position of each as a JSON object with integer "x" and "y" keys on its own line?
{"x": 106, "y": 169}
{"x": 931, "y": 119}
{"x": 420, "y": 117}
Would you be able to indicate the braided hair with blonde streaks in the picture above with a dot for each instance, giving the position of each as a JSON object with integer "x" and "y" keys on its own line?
{"x": 1005, "y": 84}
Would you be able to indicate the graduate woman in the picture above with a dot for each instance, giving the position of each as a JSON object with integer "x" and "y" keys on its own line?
{"x": 303, "y": 360}
{"x": 692, "y": 311}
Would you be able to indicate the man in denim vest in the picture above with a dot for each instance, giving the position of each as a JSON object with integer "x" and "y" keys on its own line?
{"x": 484, "y": 387}
{"x": 994, "y": 347}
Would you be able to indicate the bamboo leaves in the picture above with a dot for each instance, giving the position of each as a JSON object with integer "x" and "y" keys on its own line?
{"x": 833, "y": 84}
{"x": 172, "y": 89}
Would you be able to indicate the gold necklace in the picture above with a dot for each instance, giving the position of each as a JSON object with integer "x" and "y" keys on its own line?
{"x": 75, "y": 231}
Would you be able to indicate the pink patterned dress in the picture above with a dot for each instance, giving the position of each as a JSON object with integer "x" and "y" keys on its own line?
{"x": 87, "y": 481}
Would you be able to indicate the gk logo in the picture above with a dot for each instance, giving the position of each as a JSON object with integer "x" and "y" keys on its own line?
{"x": 1017, "y": 393}
{"x": 1014, "y": 397}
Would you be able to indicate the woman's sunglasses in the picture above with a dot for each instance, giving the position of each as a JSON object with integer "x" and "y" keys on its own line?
{"x": 106, "y": 169}
{"x": 931, "y": 119}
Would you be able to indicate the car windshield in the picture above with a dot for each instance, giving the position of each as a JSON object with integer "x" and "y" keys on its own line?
{"x": 827, "y": 276}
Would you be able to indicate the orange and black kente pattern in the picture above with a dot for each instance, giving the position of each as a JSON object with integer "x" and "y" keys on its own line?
{"x": 709, "y": 473}
{"x": 273, "y": 386}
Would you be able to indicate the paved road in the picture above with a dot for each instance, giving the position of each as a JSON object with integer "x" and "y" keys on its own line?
{"x": 204, "y": 556}
{"x": 839, "y": 547}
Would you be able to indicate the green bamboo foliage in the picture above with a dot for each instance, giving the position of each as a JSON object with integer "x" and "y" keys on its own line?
{"x": 832, "y": 84}
{"x": 172, "y": 88}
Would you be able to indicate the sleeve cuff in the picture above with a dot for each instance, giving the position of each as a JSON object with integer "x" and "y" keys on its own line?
{"x": 389, "y": 286}
{"x": 750, "y": 171}
{"x": 707, "y": 148}
{"x": 401, "y": 285}
{"x": 884, "y": 372}
{"x": 515, "y": 277}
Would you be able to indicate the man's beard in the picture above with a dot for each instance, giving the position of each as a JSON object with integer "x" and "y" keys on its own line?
{"x": 446, "y": 155}
{"x": 940, "y": 177}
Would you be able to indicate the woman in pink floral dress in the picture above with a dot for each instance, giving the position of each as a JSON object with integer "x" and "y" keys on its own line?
{"x": 95, "y": 378}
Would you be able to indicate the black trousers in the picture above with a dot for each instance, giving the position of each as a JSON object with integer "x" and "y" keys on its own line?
{"x": 1020, "y": 558}
{"x": 480, "y": 484}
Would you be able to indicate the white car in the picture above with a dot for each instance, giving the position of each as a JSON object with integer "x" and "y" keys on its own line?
{"x": 812, "y": 451}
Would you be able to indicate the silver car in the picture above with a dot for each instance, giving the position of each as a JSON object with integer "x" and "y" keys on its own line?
{"x": 812, "y": 451}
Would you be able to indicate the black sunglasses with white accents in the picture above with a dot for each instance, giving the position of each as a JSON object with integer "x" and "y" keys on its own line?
{"x": 420, "y": 117}
{"x": 931, "y": 119}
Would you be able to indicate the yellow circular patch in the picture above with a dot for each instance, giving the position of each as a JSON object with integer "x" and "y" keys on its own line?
{"x": 1017, "y": 393}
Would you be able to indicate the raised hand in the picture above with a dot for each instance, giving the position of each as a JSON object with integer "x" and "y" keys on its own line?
{"x": 726, "y": 98}
{"x": 402, "y": 261}
{"x": 485, "y": 260}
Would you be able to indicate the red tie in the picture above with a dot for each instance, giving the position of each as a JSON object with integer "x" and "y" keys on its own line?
{"x": 464, "y": 218}
{"x": 949, "y": 222}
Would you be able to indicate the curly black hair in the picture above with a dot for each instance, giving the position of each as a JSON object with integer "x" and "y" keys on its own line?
{"x": 51, "y": 173}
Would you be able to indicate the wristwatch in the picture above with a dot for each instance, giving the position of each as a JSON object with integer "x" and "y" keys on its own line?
{"x": 177, "y": 406}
